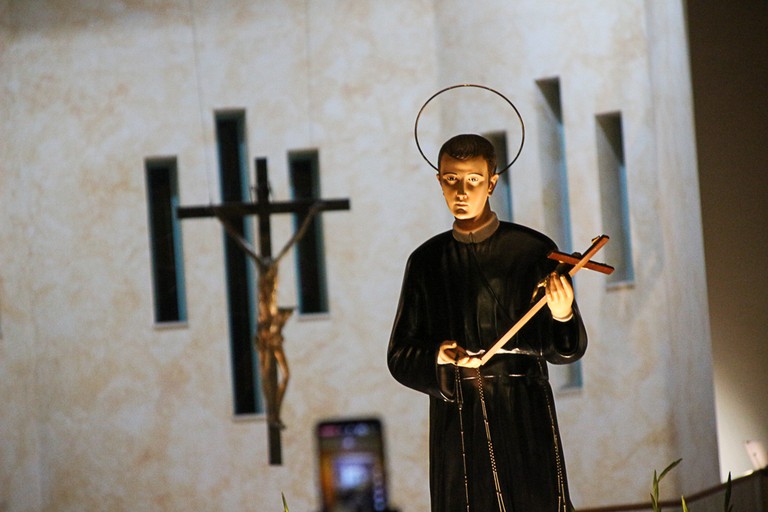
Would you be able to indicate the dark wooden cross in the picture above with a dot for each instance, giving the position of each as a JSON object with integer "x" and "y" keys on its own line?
{"x": 263, "y": 208}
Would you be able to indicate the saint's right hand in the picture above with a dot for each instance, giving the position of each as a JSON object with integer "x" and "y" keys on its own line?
{"x": 451, "y": 353}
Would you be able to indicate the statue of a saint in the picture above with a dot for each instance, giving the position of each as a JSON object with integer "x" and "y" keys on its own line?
{"x": 494, "y": 439}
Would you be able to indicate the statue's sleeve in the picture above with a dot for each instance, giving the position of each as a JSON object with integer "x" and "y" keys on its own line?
{"x": 562, "y": 342}
{"x": 565, "y": 342}
{"x": 558, "y": 342}
{"x": 412, "y": 352}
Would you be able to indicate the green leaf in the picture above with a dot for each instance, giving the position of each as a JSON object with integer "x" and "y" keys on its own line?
{"x": 285, "y": 505}
{"x": 669, "y": 468}
{"x": 656, "y": 480}
{"x": 685, "y": 507}
{"x": 655, "y": 503}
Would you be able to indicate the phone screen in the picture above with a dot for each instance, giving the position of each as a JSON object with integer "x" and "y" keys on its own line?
{"x": 351, "y": 457}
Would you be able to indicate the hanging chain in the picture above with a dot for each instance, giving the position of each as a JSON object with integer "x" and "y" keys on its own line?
{"x": 491, "y": 453}
{"x": 460, "y": 403}
{"x": 561, "y": 492}
{"x": 496, "y": 483}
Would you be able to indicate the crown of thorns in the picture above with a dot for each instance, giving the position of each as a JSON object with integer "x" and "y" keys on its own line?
{"x": 438, "y": 93}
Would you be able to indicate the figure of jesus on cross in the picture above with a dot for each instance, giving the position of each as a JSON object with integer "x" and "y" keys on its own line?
{"x": 273, "y": 364}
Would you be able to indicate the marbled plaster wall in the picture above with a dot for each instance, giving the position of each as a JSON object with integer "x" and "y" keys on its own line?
{"x": 107, "y": 411}
{"x": 648, "y": 383}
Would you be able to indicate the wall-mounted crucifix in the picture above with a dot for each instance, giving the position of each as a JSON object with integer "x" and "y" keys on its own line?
{"x": 268, "y": 340}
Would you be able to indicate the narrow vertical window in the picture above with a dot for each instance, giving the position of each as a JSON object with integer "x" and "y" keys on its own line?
{"x": 557, "y": 215}
{"x": 233, "y": 173}
{"x": 613, "y": 196}
{"x": 165, "y": 241}
{"x": 501, "y": 199}
{"x": 557, "y": 211}
{"x": 310, "y": 256}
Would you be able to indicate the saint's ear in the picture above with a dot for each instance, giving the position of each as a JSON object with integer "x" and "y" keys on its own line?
{"x": 493, "y": 181}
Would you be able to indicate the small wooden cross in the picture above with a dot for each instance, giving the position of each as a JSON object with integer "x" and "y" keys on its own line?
{"x": 271, "y": 318}
{"x": 577, "y": 262}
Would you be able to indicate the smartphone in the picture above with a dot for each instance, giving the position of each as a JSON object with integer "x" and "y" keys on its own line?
{"x": 351, "y": 465}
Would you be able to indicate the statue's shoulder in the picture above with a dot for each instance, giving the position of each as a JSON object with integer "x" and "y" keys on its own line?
{"x": 437, "y": 242}
{"x": 432, "y": 246}
{"x": 526, "y": 235}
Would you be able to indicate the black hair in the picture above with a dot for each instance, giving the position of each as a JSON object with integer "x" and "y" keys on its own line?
{"x": 469, "y": 145}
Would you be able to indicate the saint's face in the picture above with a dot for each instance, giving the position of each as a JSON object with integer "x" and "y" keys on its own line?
{"x": 466, "y": 187}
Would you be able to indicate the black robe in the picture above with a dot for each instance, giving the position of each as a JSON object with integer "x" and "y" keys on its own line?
{"x": 473, "y": 293}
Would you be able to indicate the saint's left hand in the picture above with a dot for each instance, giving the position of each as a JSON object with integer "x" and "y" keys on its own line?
{"x": 559, "y": 296}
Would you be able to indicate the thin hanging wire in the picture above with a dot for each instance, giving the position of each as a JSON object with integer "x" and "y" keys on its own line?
{"x": 199, "y": 82}
{"x": 308, "y": 60}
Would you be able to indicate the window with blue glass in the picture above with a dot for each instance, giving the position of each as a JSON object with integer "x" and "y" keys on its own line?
{"x": 165, "y": 240}
{"x": 239, "y": 271}
{"x": 614, "y": 203}
{"x": 304, "y": 171}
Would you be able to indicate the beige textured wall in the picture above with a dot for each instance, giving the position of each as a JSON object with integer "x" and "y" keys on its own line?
{"x": 647, "y": 398}
{"x": 103, "y": 410}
